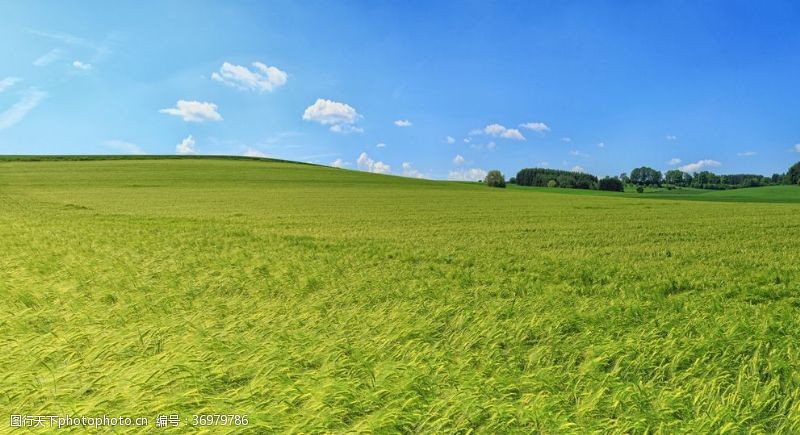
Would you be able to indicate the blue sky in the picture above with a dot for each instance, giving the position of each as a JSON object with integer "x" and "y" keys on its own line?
{"x": 434, "y": 89}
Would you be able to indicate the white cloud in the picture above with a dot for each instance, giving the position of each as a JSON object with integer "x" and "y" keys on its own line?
{"x": 450, "y": 140}
{"x": 409, "y": 171}
{"x": 14, "y": 114}
{"x": 123, "y": 147}
{"x": 249, "y": 152}
{"x": 512, "y": 133}
{"x": 540, "y": 127}
{"x": 49, "y": 57}
{"x": 577, "y": 169}
{"x": 671, "y": 137}
{"x": 339, "y": 163}
{"x": 262, "y": 78}
{"x": 544, "y": 164}
{"x": 674, "y": 161}
{"x": 458, "y": 159}
{"x": 194, "y": 111}
{"x": 479, "y": 146}
{"x": 601, "y": 145}
{"x": 578, "y": 153}
{"x": 498, "y": 130}
{"x": 82, "y": 66}
{"x": 467, "y": 139}
{"x": 365, "y": 163}
{"x": 566, "y": 139}
{"x": 8, "y": 82}
{"x": 340, "y": 116}
{"x": 797, "y": 148}
{"x": 747, "y": 154}
{"x": 346, "y": 128}
{"x": 472, "y": 174}
{"x": 186, "y": 146}
{"x": 403, "y": 123}
{"x": 380, "y": 145}
{"x": 700, "y": 165}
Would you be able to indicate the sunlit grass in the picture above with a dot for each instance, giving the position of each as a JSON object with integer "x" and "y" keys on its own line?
{"x": 316, "y": 299}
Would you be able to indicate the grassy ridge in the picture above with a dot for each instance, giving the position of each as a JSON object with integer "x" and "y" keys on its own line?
{"x": 317, "y": 299}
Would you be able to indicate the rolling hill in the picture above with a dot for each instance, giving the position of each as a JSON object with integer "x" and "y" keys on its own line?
{"x": 316, "y": 299}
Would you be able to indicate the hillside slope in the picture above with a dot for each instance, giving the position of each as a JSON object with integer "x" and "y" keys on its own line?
{"x": 316, "y": 299}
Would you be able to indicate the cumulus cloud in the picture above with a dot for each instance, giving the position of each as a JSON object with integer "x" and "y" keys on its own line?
{"x": 577, "y": 169}
{"x": 249, "y": 152}
{"x": 578, "y": 153}
{"x": 49, "y": 57}
{"x": 339, "y": 163}
{"x": 380, "y": 145}
{"x": 16, "y": 113}
{"x": 747, "y": 154}
{"x": 544, "y": 164}
{"x": 262, "y": 78}
{"x": 403, "y": 123}
{"x": 700, "y": 165}
{"x": 8, "y": 82}
{"x": 674, "y": 161}
{"x": 365, "y": 163}
{"x": 450, "y": 140}
{"x": 82, "y": 66}
{"x": 340, "y": 116}
{"x": 671, "y": 137}
{"x": 566, "y": 139}
{"x": 601, "y": 145}
{"x": 124, "y": 147}
{"x": 472, "y": 174}
{"x": 498, "y": 130}
{"x": 797, "y": 148}
{"x": 409, "y": 171}
{"x": 194, "y": 111}
{"x": 186, "y": 147}
{"x": 540, "y": 127}
{"x": 467, "y": 139}
{"x": 458, "y": 159}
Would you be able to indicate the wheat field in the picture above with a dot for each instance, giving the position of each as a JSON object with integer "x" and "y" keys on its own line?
{"x": 315, "y": 299}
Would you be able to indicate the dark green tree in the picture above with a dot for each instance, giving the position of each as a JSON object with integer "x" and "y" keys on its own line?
{"x": 793, "y": 174}
{"x": 674, "y": 177}
{"x": 612, "y": 184}
{"x": 495, "y": 179}
{"x": 646, "y": 176}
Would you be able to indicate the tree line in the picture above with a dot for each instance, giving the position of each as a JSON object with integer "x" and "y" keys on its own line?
{"x": 642, "y": 177}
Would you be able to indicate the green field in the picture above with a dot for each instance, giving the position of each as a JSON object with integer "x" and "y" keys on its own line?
{"x": 324, "y": 300}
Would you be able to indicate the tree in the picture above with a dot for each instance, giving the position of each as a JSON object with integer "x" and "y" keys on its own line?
{"x": 512, "y": 180}
{"x": 552, "y": 183}
{"x": 640, "y": 189}
{"x": 793, "y": 174}
{"x": 611, "y": 184}
{"x": 674, "y": 177}
{"x": 645, "y": 176}
{"x": 495, "y": 179}
{"x": 624, "y": 178}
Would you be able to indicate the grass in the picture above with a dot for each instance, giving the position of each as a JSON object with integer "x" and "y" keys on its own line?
{"x": 773, "y": 194}
{"x": 323, "y": 300}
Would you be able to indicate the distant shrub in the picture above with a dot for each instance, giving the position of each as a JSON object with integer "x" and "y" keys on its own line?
{"x": 495, "y": 179}
{"x": 640, "y": 189}
{"x": 512, "y": 180}
{"x": 552, "y": 183}
{"x": 612, "y": 184}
